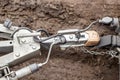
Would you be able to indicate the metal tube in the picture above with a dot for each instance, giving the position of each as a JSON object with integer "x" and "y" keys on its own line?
{"x": 27, "y": 70}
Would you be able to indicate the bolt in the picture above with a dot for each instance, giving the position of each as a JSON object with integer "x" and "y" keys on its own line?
{"x": 33, "y": 47}
{"x": 17, "y": 54}
{"x": 56, "y": 38}
{"x": 71, "y": 37}
{"x": 23, "y": 40}
{"x": 8, "y": 23}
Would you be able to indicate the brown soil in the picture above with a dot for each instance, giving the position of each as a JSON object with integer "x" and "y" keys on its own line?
{"x": 54, "y": 15}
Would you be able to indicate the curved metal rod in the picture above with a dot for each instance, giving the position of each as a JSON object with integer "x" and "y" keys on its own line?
{"x": 48, "y": 56}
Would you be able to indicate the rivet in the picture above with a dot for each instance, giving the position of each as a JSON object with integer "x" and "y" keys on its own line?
{"x": 17, "y": 54}
{"x": 33, "y": 47}
{"x": 71, "y": 37}
{"x": 23, "y": 40}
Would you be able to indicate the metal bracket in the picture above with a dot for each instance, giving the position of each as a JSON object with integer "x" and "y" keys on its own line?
{"x": 21, "y": 52}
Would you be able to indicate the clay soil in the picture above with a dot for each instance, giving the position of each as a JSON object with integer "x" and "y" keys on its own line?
{"x": 54, "y": 15}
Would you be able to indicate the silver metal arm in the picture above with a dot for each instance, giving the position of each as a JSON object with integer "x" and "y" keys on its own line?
{"x": 6, "y": 46}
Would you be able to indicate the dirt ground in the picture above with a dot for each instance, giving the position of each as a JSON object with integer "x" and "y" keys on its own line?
{"x": 54, "y": 15}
